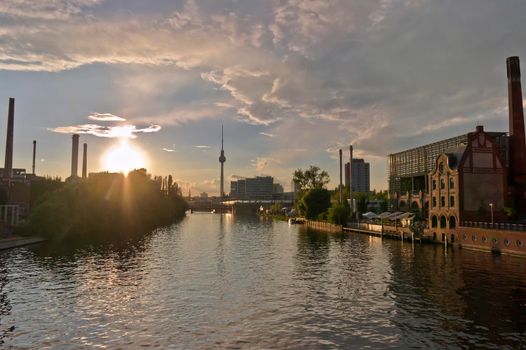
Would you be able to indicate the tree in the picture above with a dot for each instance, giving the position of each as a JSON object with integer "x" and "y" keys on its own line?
{"x": 103, "y": 206}
{"x": 362, "y": 199}
{"x": 311, "y": 178}
{"x": 315, "y": 202}
{"x": 338, "y": 214}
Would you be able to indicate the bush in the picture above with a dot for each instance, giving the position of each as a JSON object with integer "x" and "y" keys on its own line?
{"x": 338, "y": 214}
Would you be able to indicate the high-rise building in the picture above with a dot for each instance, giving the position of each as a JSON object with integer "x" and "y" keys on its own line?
{"x": 360, "y": 171}
{"x": 259, "y": 187}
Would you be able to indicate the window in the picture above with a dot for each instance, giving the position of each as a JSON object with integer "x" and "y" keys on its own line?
{"x": 451, "y": 183}
{"x": 452, "y": 201}
{"x": 442, "y": 184}
{"x": 442, "y": 201}
{"x": 434, "y": 184}
{"x": 452, "y": 222}
{"x": 434, "y": 221}
{"x": 434, "y": 201}
{"x": 442, "y": 222}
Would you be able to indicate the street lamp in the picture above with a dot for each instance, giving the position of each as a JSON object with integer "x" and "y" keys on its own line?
{"x": 491, "y": 208}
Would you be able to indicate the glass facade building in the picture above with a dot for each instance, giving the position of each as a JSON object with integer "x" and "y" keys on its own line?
{"x": 408, "y": 170}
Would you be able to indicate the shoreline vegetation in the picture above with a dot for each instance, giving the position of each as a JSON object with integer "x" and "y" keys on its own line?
{"x": 105, "y": 206}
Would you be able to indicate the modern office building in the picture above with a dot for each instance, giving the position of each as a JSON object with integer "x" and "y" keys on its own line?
{"x": 360, "y": 172}
{"x": 259, "y": 187}
{"x": 408, "y": 170}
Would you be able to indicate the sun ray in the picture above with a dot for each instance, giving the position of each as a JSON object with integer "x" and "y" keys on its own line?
{"x": 123, "y": 158}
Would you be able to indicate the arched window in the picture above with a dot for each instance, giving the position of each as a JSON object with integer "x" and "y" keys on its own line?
{"x": 451, "y": 183}
{"x": 442, "y": 222}
{"x": 434, "y": 221}
{"x": 452, "y": 222}
{"x": 442, "y": 184}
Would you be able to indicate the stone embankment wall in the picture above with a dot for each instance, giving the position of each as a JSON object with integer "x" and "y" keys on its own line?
{"x": 323, "y": 226}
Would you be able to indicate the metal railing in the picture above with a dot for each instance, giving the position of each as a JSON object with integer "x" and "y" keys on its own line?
{"x": 495, "y": 225}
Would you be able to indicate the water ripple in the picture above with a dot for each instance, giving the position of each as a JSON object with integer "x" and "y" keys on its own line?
{"x": 216, "y": 281}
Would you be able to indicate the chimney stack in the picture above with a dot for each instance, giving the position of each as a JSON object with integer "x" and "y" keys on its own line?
{"x": 350, "y": 181}
{"x": 516, "y": 119}
{"x": 34, "y": 155}
{"x": 341, "y": 186}
{"x": 85, "y": 161}
{"x": 8, "y": 167}
{"x": 74, "y": 155}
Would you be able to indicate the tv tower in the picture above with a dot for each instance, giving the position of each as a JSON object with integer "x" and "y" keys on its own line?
{"x": 222, "y": 160}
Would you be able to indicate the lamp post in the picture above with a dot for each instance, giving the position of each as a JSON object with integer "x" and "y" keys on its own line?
{"x": 491, "y": 209}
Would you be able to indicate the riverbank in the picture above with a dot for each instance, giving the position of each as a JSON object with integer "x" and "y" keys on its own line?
{"x": 17, "y": 241}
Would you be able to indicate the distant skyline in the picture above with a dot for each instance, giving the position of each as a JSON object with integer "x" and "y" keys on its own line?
{"x": 291, "y": 81}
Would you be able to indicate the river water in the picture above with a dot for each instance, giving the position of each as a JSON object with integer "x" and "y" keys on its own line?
{"x": 215, "y": 281}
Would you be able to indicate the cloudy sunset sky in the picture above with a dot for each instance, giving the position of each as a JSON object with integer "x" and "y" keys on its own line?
{"x": 291, "y": 81}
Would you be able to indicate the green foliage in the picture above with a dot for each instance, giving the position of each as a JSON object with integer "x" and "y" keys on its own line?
{"x": 42, "y": 187}
{"x": 311, "y": 178}
{"x": 339, "y": 214}
{"x": 315, "y": 202}
{"x": 361, "y": 199}
{"x": 105, "y": 206}
{"x": 275, "y": 209}
{"x": 509, "y": 211}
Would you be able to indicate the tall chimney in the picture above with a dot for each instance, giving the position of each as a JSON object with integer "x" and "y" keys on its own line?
{"x": 34, "y": 154}
{"x": 516, "y": 118}
{"x": 85, "y": 161}
{"x": 341, "y": 186}
{"x": 74, "y": 155}
{"x": 350, "y": 181}
{"x": 8, "y": 167}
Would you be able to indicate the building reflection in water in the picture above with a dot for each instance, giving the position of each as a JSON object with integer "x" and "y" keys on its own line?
{"x": 472, "y": 294}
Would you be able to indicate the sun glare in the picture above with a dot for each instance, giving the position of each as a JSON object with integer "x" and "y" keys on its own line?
{"x": 123, "y": 158}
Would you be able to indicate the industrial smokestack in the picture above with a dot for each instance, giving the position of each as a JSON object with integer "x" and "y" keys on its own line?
{"x": 516, "y": 120}
{"x": 8, "y": 167}
{"x": 74, "y": 155}
{"x": 34, "y": 155}
{"x": 85, "y": 161}
{"x": 341, "y": 186}
{"x": 350, "y": 180}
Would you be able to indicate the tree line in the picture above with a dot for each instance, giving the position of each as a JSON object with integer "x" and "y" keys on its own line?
{"x": 315, "y": 202}
{"x": 105, "y": 205}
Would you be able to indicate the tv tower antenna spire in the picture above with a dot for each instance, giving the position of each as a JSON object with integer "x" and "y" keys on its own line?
{"x": 222, "y": 160}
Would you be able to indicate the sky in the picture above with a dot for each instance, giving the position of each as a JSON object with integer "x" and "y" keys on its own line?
{"x": 291, "y": 81}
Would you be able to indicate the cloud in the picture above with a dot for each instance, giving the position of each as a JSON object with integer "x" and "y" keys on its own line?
{"x": 261, "y": 163}
{"x": 44, "y": 9}
{"x": 383, "y": 75}
{"x": 202, "y": 146}
{"x": 168, "y": 149}
{"x": 124, "y": 131}
{"x": 106, "y": 117}
{"x": 267, "y": 134}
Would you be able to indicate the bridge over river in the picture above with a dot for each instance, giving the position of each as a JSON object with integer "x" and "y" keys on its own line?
{"x": 236, "y": 206}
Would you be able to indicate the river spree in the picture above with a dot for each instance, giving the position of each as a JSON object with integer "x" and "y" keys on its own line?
{"x": 215, "y": 281}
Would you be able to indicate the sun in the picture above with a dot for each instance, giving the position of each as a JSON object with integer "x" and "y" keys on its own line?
{"x": 123, "y": 158}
